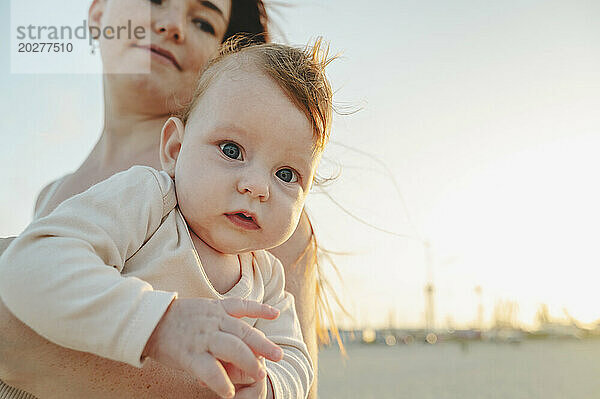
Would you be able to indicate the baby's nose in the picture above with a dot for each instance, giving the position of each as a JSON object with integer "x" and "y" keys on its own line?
{"x": 254, "y": 186}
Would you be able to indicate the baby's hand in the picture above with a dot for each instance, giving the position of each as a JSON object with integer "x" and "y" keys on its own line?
{"x": 256, "y": 390}
{"x": 194, "y": 334}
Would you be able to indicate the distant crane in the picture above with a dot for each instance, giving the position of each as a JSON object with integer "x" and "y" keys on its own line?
{"x": 479, "y": 292}
{"x": 429, "y": 289}
{"x": 430, "y": 320}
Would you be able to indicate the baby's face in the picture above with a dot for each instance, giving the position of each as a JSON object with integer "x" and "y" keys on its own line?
{"x": 246, "y": 164}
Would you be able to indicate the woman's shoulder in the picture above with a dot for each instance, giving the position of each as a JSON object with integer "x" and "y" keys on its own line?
{"x": 46, "y": 194}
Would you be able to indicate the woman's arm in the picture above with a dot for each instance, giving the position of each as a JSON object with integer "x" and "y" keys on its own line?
{"x": 301, "y": 282}
{"x": 16, "y": 368}
{"x": 50, "y": 371}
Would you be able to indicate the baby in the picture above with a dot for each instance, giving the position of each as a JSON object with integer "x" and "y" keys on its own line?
{"x": 163, "y": 264}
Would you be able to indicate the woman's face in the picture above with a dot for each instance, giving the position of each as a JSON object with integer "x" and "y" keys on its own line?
{"x": 180, "y": 36}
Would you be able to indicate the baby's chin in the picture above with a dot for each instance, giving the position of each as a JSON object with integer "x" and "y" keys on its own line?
{"x": 232, "y": 244}
{"x": 236, "y": 248}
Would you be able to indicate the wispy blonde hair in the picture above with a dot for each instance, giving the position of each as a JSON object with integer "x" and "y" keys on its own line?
{"x": 300, "y": 72}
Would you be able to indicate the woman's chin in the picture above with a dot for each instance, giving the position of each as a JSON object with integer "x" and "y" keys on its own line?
{"x": 149, "y": 90}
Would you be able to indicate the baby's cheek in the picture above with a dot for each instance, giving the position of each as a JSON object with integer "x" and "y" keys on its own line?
{"x": 292, "y": 209}
{"x": 296, "y": 212}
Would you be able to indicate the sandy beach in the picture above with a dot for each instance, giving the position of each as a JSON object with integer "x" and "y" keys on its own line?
{"x": 549, "y": 369}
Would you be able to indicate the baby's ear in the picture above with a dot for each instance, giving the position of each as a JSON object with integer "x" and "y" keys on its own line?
{"x": 171, "y": 138}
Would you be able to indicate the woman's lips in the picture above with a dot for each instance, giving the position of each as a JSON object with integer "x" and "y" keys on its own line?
{"x": 162, "y": 55}
{"x": 240, "y": 220}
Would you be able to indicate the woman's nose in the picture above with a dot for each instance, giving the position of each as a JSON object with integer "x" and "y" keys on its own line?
{"x": 171, "y": 24}
{"x": 254, "y": 186}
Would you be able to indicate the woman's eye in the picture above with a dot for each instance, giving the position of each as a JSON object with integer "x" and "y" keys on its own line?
{"x": 231, "y": 150}
{"x": 287, "y": 175}
{"x": 204, "y": 26}
{"x": 156, "y": 1}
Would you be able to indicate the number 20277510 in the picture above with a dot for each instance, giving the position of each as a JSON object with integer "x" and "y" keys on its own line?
{"x": 45, "y": 47}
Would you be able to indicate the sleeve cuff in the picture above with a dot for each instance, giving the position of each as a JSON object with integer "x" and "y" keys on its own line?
{"x": 151, "y": 310}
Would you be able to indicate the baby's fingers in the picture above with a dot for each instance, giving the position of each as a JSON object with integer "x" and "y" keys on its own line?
{"x": 233, "y": 350}
{"x": 252, "y": 391}
{"x": 236, "y": 375}
{"x": 255, "y": 339}
{"x": 237, "y": 307}
{"x": 211, "y": 372}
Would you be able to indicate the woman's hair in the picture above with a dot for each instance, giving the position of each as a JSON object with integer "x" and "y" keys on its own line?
{"x": 250, "y": 18}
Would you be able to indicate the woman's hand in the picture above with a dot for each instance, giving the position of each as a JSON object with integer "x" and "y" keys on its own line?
{"x": 196, "y": 334}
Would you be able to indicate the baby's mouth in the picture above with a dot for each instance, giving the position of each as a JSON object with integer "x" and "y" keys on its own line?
{"x": 244, "y": 220}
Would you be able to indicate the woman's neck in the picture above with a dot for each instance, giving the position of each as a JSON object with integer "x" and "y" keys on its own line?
{"x": 130, "y": 136}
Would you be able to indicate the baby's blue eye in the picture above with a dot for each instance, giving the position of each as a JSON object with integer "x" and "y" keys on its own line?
{"x": 287, "y": 175}
{"x": 231, "y": 150}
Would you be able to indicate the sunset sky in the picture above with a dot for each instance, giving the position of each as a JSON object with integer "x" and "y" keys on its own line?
{"x": 476, "y": 126}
